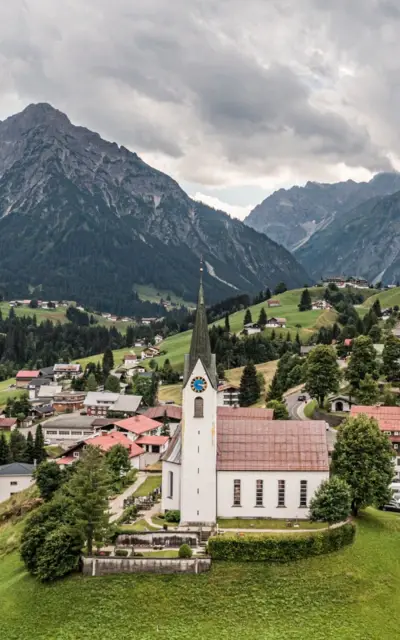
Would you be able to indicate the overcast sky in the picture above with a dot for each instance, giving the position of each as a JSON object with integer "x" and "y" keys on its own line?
{"x": 233, "y": 98}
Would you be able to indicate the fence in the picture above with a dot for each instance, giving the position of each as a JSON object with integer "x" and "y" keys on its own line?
{"x": 106, "y": 566}
{"x": 162, "y": 539}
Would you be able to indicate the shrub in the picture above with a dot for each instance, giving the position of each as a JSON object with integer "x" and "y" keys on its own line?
{"x": 59, "y": 555}
{"x": 185, "y": 551}
{"x": 121, "y": 552}
{"x": 332, "y": 501}
{"x": 129, "y": 514}
{"x": 279, "y": 548}
{"x": 173, "y": 516}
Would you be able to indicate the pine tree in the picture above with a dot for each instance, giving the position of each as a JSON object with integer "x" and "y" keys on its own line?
{"x": 247, "y": 317}
{"x": 39, "y": 451}
{"x": 5, "y": 455}
{"x": 30, "y": 448}
{"x": 99, "y": 374}
{"x": 368, "y": 392}
{"x": 227, "y": 325}
{"x": 376, "y": 308}
{"x": 91, "y": 382}
{"x": 112, "y": 384}
{"x": 17, "y": 446}
{"x": 108, "y": 362}
{"x": 262, "y": 318}
{"x": 249, "y": 386}
{"x": 275, "y": 389}
{"x": 298, "y": 341}
{"x": 305, "y": 301}
{"x": 268, "y": 294}
{"x": 165, "y": 430}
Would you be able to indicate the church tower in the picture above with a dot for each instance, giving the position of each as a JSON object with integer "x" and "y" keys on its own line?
{"x": 199, "y": 426}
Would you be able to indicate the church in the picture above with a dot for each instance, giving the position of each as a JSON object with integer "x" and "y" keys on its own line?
{"x": 233, "y": 462}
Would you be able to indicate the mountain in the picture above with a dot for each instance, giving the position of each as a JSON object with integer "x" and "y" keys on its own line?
{"x": 291, "y": 217}
{"x": 363, "y": 242}
{"x": 82, "y": 218}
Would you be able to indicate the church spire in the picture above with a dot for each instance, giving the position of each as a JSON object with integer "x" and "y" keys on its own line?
{"x": 200, "y": 348}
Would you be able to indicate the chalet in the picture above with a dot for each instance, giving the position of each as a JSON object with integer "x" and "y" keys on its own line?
{"x": 251, "y": 328}
{"x": 34, "y": 386}
{"x": 166, "y": 413}
{"x": 388, "y": 419}
{"x": 67, "y": 370}
{"x": 273, "y": 303}
{"x": 320, "y": 305}
{"x": 68, "y": 401}
{"x": 8, "y": 424}
{"x": 105, "y": 443}
{"x": 130, "y": 359}
{"x": 150, "y": 352}
{"x": 127, "y": 404}
{"x": 158, "y": 338}
{"x": 98, "y": 403}
{"x": 106, "y": 315}
{"x": 279, "y": 323}
{"x": 43, "y": 411}
{"x": 148, "y": 321}
{"x": 228, "y": 395}
{"x": 138, "y": 426}
{"x": 135, "y": 369}
{"x": 140, "y": 343}
{"x": 23, "y": 378}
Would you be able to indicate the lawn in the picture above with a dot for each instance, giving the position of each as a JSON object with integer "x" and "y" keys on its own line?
{"x": 150, "y": 484}
{"x": 349, "y": 595}
{"x": 139, "y": 525}
{"x": 168, "y": 553}
{"x": 263, "y": 523}
{"x": 310, "y": 408}
{"x": 55, "y": 315}
{"x": 6, "y": 392}
{"x": 170, "y": 392}
{"x": 387, "y": 298}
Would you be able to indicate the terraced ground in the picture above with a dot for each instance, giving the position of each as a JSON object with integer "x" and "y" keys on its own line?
{"x": 352, "y": 594}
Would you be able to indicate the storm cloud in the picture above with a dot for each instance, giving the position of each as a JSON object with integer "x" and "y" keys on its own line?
{"x": 218, "y": 94}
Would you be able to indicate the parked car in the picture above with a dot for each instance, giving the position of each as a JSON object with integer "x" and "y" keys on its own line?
{"x": 393, "y": 505}
{"x": 302, "y": 398}
{"x": 47, "y": 442}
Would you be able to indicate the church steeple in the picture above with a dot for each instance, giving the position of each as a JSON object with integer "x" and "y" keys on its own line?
{"x": 200, "y": 348}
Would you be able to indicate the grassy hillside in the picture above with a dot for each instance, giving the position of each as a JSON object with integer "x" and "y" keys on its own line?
{"x": 349, "y": 595}
{"x": 387, "y": 298}
{"x": 151, "y": 294}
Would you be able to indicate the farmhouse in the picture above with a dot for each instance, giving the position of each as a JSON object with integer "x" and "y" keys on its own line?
{"x": 228, "y": 395}
{"x": 67, "y": 371}
{"x": 23, "y": 378}
{"x": 105, "y": 443}
{"x": 320, "y": 305}
{"x": 15, "y": 477}
{"x": 98, "y": 403}
{"x": 150, "y": 352}
{"x": 273, "y": 303}
{"x": 130, "y": 359}
{"x": 8, "y": 424}
{"x": 251, "y": 328}
{"x": 228, "y": 462}
{"x": 276, "y": 323}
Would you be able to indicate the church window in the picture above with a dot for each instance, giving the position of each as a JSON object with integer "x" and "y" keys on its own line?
{"x": 303, "y": 493}
{"x": 281, "y": 493}
{"x": 198, "y": 407}
{"x": 236, "y": 493}
{"x": 259, "y": 493}
{"x": 170, "y": 484}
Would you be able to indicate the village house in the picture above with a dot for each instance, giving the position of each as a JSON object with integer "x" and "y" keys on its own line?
{"x": 251, "y": 328}
{"x": 105, "y": 443}
{"x": 276, "y": 323}
{"x": 140, "y": 343}
{"x": 67, "y": 370}
{"x": 42, "y": 411}
{"x": 158, "y": 338}
{"x": 273, "y": 303}
{"x": 23, "y": 378}
{"x": 130, "y": 359}
{"x": 68, "y": 401}
{"x": 388, "y": 419}
{"x": 341, "y": 402}
{"x": 237, "y": 462}
{"x": 150, "y": 352}
{"x": 228, "y": 395}
{"x": 98, "y": 403}
{"x": 170, "y": 413}
{"x": 34, "y": 386}
{"x": 137, "y": 426}
{"x": 8, "y": 424}
{"x": 148, "y": 321}
{"x": 68, "y": 427}
{"x": 320, "y": 305}
{"x": 15, "y": 477}
{"x": 44, "y": 393}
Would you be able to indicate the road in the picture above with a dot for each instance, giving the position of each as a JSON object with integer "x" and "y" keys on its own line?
{"x": 296, "y": 412}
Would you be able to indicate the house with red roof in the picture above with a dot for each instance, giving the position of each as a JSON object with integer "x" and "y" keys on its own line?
{"x": 105, "y": 443}
{"x": 24, "y": 377}
{"x": 137, "y": 426}
{"x": 8, "y": 424}
{"x": 388, "y": 419}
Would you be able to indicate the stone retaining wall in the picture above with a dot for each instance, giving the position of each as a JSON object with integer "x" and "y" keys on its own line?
{"x": 161, "y": 538}
{"x": 106, "y": 566}
{"x": 330, "y": 418}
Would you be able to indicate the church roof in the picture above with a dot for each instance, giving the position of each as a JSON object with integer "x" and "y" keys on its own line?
{"x": 272, "y": 445}
{"x": 264, "y": 445}
{"x": 238, "y": 413}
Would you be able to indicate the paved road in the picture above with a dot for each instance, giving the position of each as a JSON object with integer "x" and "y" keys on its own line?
{"x": 296, "y": 408}
{"x": 117, "y": 505}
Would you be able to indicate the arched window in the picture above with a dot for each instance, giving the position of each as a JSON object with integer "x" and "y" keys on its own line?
{"x": 198, "y": 407}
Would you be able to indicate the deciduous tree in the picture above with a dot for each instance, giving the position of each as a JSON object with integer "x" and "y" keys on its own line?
{"x": 368, "y": 392}
{"x": 331, "y": 501}
{"x": 362, "y": 361}
{"x": 112, "y": 384}
{"x": 280, "y": 409}
{"x": 322, "y": 373}
{"x": 391, "y": 358}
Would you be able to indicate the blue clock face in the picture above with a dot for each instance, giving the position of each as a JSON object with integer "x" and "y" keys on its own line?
{"x": 199, "y": 384}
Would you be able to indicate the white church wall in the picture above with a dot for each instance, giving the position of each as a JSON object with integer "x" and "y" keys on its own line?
{"x": 198, "y": 490}
{"x": 169, "y": 502}
{"x": 270, "y": 509}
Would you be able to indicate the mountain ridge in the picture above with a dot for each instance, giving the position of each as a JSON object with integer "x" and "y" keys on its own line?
{"x": 93, "y": 219}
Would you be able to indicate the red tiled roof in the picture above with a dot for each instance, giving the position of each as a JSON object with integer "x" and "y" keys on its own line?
{"x": 272, "y": 445}
{"x": 160, "y": 440}
{"x": 238, "y": 413}
{"x": 108, "y": 441}
{"x": 7, "y": 423}
{"x": 171, "y": 410}
{"x": 388, "y": 417}
{"x": 224, "y": 387}
{"x": 348, "y": 342}
{"x": 138, "y": 424}
{"x": 66, "y": 460}
{"x": 130, "y": 356}
{"x": 28, "y": 374}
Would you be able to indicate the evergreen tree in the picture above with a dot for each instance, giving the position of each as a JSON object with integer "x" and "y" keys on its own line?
{"x": 220, "y": 371}
{"x": 331, "y": 501}
{"x": 91, "y": 383}
{"x": 262, "y": 318}
{"x": 227, "y": 325}
{"x": 17, "y": 446}
{"x": 39, "y": 450}
{"x": 298, "y": 341}
{"x": 368, "y": 392}
{"x": 5, "y": 454}
{"x": 268, "y": 294}
{"x": 363, "y": 457}
{"x": 280, "y": 409}
{"x": 99, "y": 374}
{"x": 391, "y": 358}
{"x": 247, "y": 317}
{"x": 30, "y": 448}
{"x": 280, "y": 288}
{"x": 111, "y": 384}
{"x": 249, "y": 386}
{"x": 375, "y": 333}
{"x": 89, "y": 489}
{"x": 49, "y": 478}
{"x": 369, "y": 321}
{"x": 362, "y": 361}
{"x": 117, "y": 459}
{"x": 335, "y": 331}
{"x": 305, "y": 301}
{"x": 275, "y": 391}
{"x": 322, "y": 373}
{"x": 108, "y": 362}
{"x": 165, "y": 430}
{"x": 376, "y": 307}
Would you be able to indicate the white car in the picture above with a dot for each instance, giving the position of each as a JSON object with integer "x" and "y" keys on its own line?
{"x": 47, "y": 442}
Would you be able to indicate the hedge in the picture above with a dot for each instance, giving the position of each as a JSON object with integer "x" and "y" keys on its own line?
{"x": 279, "y": 548}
